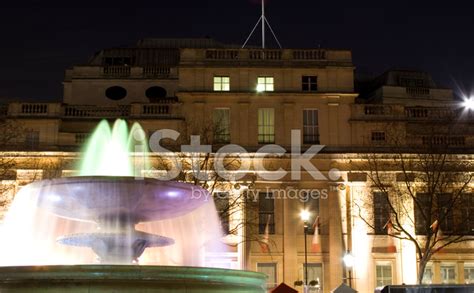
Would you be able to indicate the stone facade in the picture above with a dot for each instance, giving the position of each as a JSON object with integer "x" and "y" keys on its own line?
{"x": 173, "y": 84}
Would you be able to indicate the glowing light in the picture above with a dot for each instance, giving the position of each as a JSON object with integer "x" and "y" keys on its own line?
{"x": 305, "y": 215}
{"x": 468, "y": 103}
{"x": 173, "y": 193}
{"x": 260, "y": 88}
{"x": 348, "y": 260}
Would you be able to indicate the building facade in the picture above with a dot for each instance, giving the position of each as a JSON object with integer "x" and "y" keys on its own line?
{"x": 253, "y": 98}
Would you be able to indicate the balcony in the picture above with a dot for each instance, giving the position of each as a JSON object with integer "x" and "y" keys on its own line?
{"x": 428, "y": 113}
{"x": 168, "y": 109}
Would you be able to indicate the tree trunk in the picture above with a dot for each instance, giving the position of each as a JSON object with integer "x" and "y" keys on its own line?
{"x": 421, "y": 269}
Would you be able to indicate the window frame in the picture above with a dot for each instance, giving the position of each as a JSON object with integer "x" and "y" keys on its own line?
{"x": 224, "y": 137}
{"x": 274, "y": 265}
{"x": 312, "y": 128}
{"x": 266, "y": 132}
{"x": 446, "y": 265}
{"x": 308, "y": 85}
{"x": 263, "y": 214}
{"x": 221, "y": 85}
{"x": 381, "y": 263}
{"x": 267, "y": 85}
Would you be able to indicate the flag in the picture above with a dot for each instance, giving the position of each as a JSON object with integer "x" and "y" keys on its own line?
{"x": 316, "y": 243}
{"x": 264, "y": 244}
{"x": 390, "y": 244}
{"x": 434, "y": 226}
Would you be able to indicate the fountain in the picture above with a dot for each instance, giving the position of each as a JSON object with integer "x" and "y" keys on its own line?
{"x": 90, "y": 232}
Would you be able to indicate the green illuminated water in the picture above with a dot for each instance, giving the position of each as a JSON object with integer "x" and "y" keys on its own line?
{"x": 115, "y": 151}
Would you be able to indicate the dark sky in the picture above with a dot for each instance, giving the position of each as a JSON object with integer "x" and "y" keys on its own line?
{"x": 39, "y": 39}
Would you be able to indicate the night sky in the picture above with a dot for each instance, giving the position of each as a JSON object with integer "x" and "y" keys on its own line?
{"x": 40, "y": 39}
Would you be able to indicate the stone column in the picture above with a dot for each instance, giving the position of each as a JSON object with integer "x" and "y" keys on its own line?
{"x": 336, "y": 243}
{"x": 291, "y": 228}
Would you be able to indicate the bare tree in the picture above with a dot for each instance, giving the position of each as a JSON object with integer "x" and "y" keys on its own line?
{"x": 422, "y": 194}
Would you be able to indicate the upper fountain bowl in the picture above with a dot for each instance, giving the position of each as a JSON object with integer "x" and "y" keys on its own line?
{"x": 104, "y": 198}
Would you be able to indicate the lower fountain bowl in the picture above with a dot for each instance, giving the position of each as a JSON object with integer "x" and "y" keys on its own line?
{"x": 128, "y": 278}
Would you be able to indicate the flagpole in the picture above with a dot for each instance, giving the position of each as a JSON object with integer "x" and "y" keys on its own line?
{"x": 263, "y": 24}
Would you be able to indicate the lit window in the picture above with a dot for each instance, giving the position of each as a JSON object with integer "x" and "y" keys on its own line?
{"x": 268, "y": 269}
{"x": 265, "y": 84}
{"x": 383, "y": 274}
{"x": 221, "y": 120}
{"x": 315, "y": 275}
{"x": 378, "y": 136}
{"x": 266, "y": 125}
{"x": 448, "y": 273}
{"x": 469, "y": 273}
{"x": 428, "y": 275}
{"x": 221, "y": 83}
{"x": 309, "y": 83}
{"x": 310, "y": 126}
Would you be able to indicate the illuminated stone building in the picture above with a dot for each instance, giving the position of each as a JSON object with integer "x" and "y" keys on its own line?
{"x": 257, "y": 97}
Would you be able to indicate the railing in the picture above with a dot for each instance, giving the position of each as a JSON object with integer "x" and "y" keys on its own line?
{"x": 80, "y": 138}
{"x": 265, "y": 54}
{"x": 309, "y": 54}
{"x": 155, "y": 109}
{"x": 34, "y": 109}
{"x": 417, "y": 91}
{"x": 154, "y": 71}
{"x": 377, "y": 110}
{"x": 80, "y": 111}
{"x": 222, "y": 54}
{"x": 116, "y": 71}
{"x": 423, "y": 112}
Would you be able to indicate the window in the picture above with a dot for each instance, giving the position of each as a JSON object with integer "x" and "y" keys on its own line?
{"x": 469, "y": 273}
{"x": 467, "y": 213}
{"x": 378, "y": 136}
{"x": 155, "y": 93}
{"x": 310, "y": 126}
{"x": 221, "y": 83}
{"x": 221, "y": 121}
{"x": 266, "y": 212}
{"x": 445, "y": 212}
{"x": 315, "y": 275}
{"x": 423, "y": 214}
{"x": 381, "y": 212}
{"x": 268, "y": 269}
{"x": 221, "y": 200}
{"x": 266, "y": 125}
{"x": 428, "y": 275}
{"x": 265, "y": 84}
{"x": 117, "y": 61}
{"x": 448, "y": 273}
{"x": 383, "y": 274}
{"x": 32, "y": 140}
{"x": 116, "y": 93}
{"x": 309, "y": 83}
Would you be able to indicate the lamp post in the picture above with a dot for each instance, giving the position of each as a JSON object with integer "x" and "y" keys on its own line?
{"x": 305, "y": 215}
{"x": 349, "y": 263}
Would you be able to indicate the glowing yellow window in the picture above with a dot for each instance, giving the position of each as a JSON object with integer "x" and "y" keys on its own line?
{"x": 265, "y": 84}
{"x": 221, "y": 83}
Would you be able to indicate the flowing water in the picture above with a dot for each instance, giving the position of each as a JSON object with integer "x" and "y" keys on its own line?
{"x": 38, "y": 216}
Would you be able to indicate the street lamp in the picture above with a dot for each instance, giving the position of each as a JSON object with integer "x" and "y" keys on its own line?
{"x": 305, "y": 215}
{"x": 349, "y": 263}
{"x": 468, "y": 103}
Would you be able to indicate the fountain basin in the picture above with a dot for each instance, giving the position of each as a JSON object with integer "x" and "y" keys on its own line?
{"x": 128, "y": 278}
{"x": 109, "y": 198}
